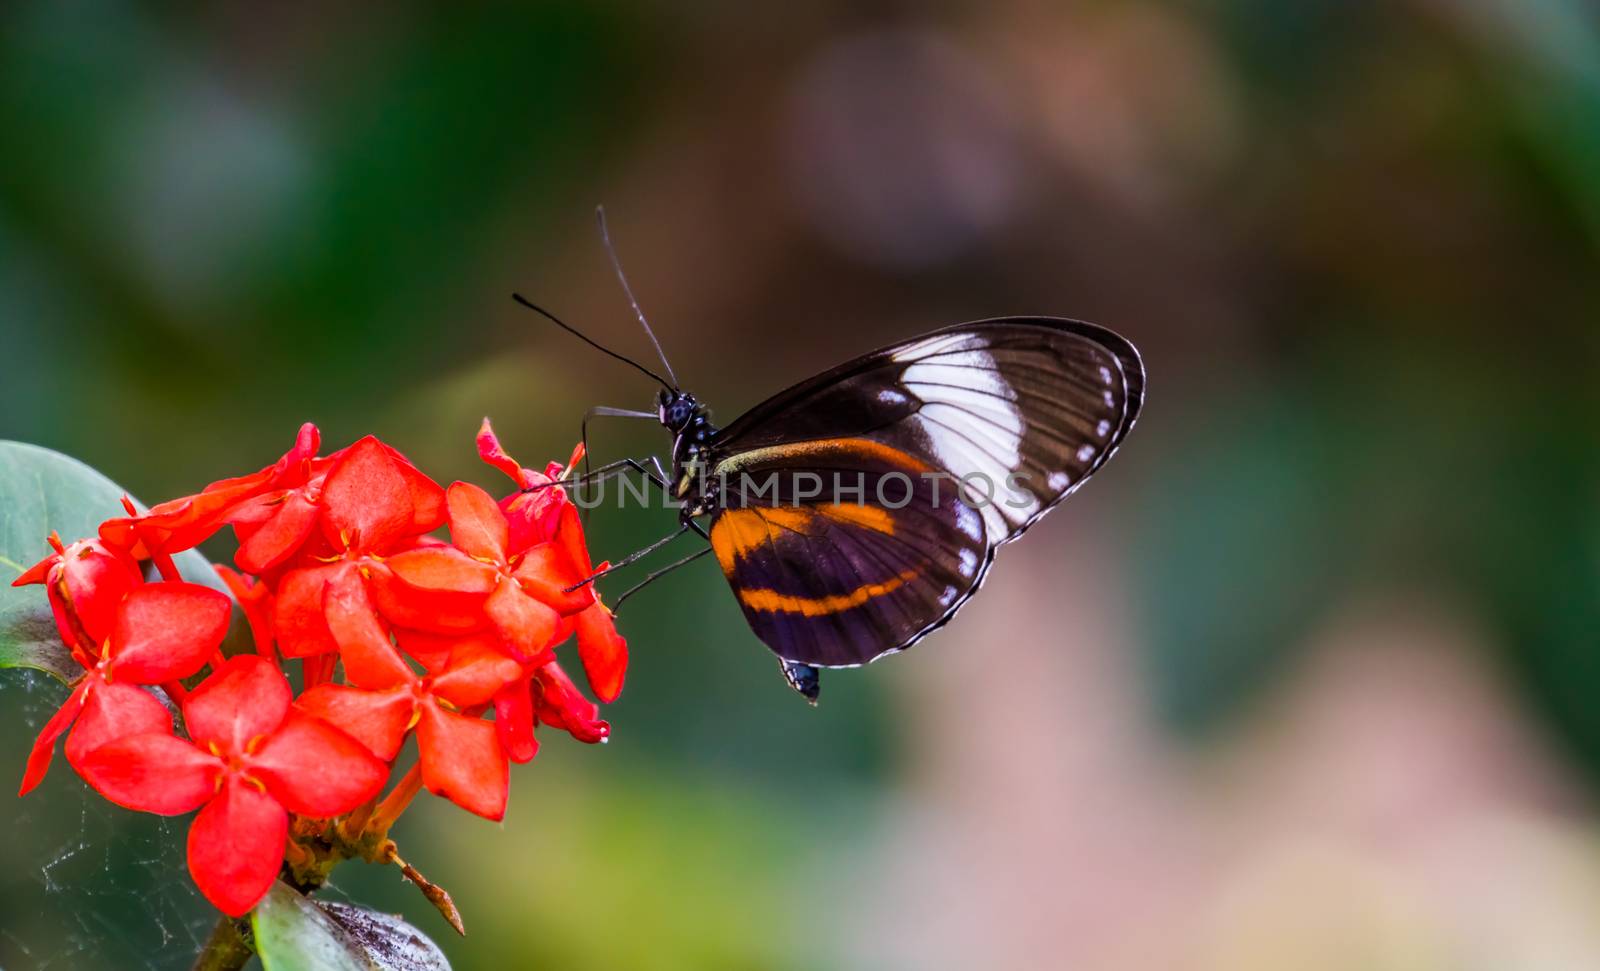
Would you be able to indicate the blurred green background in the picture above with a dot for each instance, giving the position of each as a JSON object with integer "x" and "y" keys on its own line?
{"x": 1308, "y": 677}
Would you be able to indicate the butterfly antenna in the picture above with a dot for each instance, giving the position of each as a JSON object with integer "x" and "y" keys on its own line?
{"x": 519, "y": 298}
{"x": 616, "y": 264}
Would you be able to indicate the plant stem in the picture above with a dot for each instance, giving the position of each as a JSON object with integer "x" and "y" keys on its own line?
{"x": 396, "y": 801}
{"x": 437, "y": 895}
{"x": 224, "y": 950}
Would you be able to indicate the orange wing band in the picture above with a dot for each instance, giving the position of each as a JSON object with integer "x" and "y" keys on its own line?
{"x": 775, "y": 602}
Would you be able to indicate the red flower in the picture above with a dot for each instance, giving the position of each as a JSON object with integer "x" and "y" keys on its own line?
{"x": 84, "y": 582}
{"x": 273, "y": 527}
{"x": 544, "y": 693}
{"x": 253, "y": 761}
{"x": 335, "y": 567}
{"x": 451, "y": 589}
{"x": 434, "y": 588}
{"x": 524, "y": 595}
{"x": 366, "y": 499}
{"x": 372, "y": 503}
{"x": 163, "y": 632}
{"x": 255, "y": 597}
{"x": 560, "y": 704}
{"x": 530, "y": 589}
{"x": 182, "y": 524}
{"x": 531, "y": 515}
{"x": 461, "y": 756}
{"x": 601, "y": 649}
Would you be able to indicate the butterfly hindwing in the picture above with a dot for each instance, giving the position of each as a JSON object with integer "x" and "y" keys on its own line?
{"x": 838, "y": 583}
{"x": 1010, "y": 415}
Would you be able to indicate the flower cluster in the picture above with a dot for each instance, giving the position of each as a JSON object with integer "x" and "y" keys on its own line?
{"x": 395, "y": 632}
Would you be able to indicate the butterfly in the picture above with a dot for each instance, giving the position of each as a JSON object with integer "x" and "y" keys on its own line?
{"x": 856, "y": 512}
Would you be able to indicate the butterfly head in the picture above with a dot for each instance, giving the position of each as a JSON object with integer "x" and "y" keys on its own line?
{"x": 676, "y": 409}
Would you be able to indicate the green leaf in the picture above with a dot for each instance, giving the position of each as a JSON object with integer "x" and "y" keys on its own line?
{"x": 294, "y": 933}
{"x": 28, "y": 640}
{"x": 41, "y": 491}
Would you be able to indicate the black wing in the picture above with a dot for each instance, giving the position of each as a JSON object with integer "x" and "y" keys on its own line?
{"x": 1015, "y": 413}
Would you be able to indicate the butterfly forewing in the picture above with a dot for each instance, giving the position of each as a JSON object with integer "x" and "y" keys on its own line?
{"x": 860, "y": 509}
{"x": 1020, "y": 413}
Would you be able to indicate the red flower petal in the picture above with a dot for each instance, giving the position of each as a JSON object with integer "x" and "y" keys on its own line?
{"x": 429, "y": 569}
{"x": 434, "y": 588}
{"x": 476, "y": 671}
{"x": 578, "y": 451}
{"x": 114, "y": 711}
{"x": 293, "y": 468}
{"x": 477, "y": 526}
{"x": 513, "y": 721}
{"x": 491, "y": 451}
{"x": 315, "y": 769}
{"x": 95, "y": 580}
{"x": 366, "y": 501}
{"x": 603, "y": 651}
{"x": 524, "y": 624}
{"x": 427, "y": 496}
{"x": 370, "y": 658}
{"x": 569, "y": 626}
{"x": 546, "y": 573}
{"x": 430, "y": 650}
{"x": 166, "y": 631}
{"x": 240, "y": 701}
{"x": 569, "y": 534}
{"x": 376, "y": 719}
{"x": 532, "y": 517}
{"x": 289, "y": 471}
{"x": 255, "y": 597}
{"x": 153, "y": 773}
{"x": 298, "y": 622}
{"x": 462, "y": 761}
{"x": 236, "y": 846}
{"x": 44, "y": 747}
{"x": 188, "y": 522}
{"x": 169, "y": 527}
{"x": 38, "y": 572}
{"x": 251, "y": 515}
{"x": 560, "y": 703}
{"x": 280, "y": 536}
{"x": 71, "y": 631}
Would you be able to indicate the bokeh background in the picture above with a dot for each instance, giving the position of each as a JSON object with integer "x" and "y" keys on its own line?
{"x": 1308, "y": 678}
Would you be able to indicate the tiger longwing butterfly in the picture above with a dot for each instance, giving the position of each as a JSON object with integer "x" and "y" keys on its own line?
{"x": 858, "y": 511}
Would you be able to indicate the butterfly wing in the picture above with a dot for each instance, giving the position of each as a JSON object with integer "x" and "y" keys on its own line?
{"x": 941, "y": 449}
{"x": 838, "y": 583}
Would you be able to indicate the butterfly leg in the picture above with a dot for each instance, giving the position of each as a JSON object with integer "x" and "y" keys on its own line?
{"x": 590, "y": 477}
{"x": 594, "y": 476}
{"x": 616, "y": 607}
{"x": 803, "y": 678}
{"x": 630, "y": 558}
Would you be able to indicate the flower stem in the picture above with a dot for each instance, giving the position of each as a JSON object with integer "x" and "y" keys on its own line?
{"x": 224, "y": 950}
{"x": 352, "y": 826}
{"x": 396, "y": 801}
{"x": 165, "y": 567}
{"x": 437, "y": 895}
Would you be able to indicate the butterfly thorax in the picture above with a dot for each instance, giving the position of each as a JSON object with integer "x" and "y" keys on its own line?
{"x": 693, "y": 435}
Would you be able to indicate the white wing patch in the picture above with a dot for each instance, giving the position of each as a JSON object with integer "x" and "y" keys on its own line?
{"x": 970, "y": 419}
{"x": 975, "y": 427}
